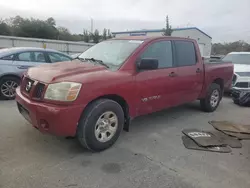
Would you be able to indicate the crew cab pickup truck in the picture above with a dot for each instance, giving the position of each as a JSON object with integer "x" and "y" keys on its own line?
{"x": 95, "y": 96}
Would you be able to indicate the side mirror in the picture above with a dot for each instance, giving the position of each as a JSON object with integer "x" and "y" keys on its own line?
{"x": 147, "y": 64}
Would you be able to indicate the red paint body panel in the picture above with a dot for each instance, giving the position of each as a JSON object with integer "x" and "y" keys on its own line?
{"x": 126, "y": 82}
{"x": 62, "y": 120}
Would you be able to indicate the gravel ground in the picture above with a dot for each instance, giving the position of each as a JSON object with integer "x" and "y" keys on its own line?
{"x": 150, "y": 155}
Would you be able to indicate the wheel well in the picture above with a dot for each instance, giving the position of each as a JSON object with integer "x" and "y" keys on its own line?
{"x": 122, "y": 102}
{"x": 220, "y": 82}
{"x": 9, "y": 75}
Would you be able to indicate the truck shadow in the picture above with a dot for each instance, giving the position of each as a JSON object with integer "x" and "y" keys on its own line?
{"x": 165, "y": 117}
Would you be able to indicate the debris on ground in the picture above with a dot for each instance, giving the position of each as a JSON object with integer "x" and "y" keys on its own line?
{"x": 202, "y": 138}
{"x": 230, "y": 127}
{"x": 237, "y": 130}
{"x": 241, "y": 98}
{"x": 191, "y": 144}
{"x": 226, "y": 135}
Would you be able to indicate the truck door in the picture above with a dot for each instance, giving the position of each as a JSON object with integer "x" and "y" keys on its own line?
{"x": 156, "y": 88}
{"x": 25, "y": 60}
{"x": 189, "y": 72}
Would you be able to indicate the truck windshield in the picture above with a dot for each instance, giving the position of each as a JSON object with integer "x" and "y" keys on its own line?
{"x": 238, "y": 58}
{"x": 112, "y": 52}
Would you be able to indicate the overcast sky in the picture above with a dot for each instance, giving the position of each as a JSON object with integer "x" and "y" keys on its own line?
{"x": 224, "y": 20}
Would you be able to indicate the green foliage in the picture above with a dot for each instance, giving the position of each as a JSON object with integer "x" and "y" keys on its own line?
{"x": 63, "y": 34}
{"x": 4, "y": 29}
{"x": 109, "y": 34}
{"x": 104, "y": 34}
{"x": 86, "y": 36}
{"x": 51, "y": 21}
{"x": 96, "y": 36}
{"x": 225, "y": 48}
{"x": 167, "y": 31}
{"x": 35, "y": 28}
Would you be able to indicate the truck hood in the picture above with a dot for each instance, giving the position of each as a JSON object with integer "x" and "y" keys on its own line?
{"x": 241, "y": 68}
{"x": 53, "y": 72}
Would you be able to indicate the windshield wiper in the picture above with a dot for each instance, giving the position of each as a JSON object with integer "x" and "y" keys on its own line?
{"x": 96, "y": 60}
{"x": 81, "y": 59}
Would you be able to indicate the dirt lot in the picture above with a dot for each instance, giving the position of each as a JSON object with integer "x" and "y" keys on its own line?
{"x": 150, "y": 155}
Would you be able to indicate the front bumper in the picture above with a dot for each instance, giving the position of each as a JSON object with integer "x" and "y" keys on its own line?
{"x": 48, "y": 118}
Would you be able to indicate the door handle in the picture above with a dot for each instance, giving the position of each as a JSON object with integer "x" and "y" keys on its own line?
{"x": 23, "y": 67}
{"x": 172, "y": 74}
{"x": 198, "y": 70}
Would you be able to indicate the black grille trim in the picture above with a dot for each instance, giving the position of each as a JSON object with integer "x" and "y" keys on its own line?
{"x": 242, "y": 84}
{"x": 39, "y": 89}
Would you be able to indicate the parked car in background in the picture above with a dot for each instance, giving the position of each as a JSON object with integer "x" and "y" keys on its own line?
{"x": 95, "y": 96}
{"x": 15, "y": 61}
{"x": 241, "y": 61}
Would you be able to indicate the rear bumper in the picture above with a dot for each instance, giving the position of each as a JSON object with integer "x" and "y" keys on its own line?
{"x": 48, "y": 118}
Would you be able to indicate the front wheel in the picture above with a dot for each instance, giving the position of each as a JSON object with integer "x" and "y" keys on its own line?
{"x": 212, "y": 99}
{"x": 100, "y": 125}
{"x": 8, "y": 87}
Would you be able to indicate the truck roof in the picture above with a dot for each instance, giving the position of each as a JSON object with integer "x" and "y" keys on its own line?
{"x": 149, "y": 38}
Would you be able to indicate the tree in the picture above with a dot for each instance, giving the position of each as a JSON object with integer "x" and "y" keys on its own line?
{"x": 63, "y": 34}
{"x": 104, "y": 34}
{"x": 225, "y": 48}
{"x": 109, "y": 34}
{"x": 95, "y": 36}
{"x": 51, "y": 21}
{"x": 86, "y": 36}
{"x": 46, "y": 29}
{"x": 4, "y": 29}
{"x": 168, "y": 30}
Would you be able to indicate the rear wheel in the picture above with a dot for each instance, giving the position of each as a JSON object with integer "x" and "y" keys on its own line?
{"x": 100, "y": 125}
{"x": 8, "y": 87}
{"x": 212, "y": 99}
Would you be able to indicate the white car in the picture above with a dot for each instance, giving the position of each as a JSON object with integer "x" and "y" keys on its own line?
{"x": 241, "y": 61}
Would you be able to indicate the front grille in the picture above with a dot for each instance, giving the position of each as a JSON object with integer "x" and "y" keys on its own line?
{"x": 32, "y": 89}
{"x": 39, "y": 89}
{"x": 242, "y": 84}
{"x": 27, "y": 85}
{"x": 243, "y": 73}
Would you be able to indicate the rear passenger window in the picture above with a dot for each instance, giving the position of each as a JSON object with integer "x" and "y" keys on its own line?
{"x": 39, "y": 57}
{"x": 185, "y": 53}
{"x": 162, "y": 51}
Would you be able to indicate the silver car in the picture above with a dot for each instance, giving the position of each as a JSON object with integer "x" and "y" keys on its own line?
{"x": 15, "y": 61}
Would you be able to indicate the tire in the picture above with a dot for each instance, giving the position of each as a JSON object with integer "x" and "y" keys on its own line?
{"x": 206, "y": 104}
{"x": 87, "y": 131}
{"x": 8, "y": 80}
{"x": 236, "y": 101}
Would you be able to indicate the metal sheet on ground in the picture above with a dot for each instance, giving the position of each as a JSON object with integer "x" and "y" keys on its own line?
{"x": 203, "y": 138}
{"x": 190, "y": 144}
{"x": 230, "y": 126}
{"x": 240, "y": 136}
{"x": 228, "y": 140}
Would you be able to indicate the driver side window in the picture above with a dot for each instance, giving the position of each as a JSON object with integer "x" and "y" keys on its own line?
{"x": 162, "y": 51}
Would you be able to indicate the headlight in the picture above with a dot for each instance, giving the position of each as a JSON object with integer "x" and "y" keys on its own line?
{"x": 63, "y": 91}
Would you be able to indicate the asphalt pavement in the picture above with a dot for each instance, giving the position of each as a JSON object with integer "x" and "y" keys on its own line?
{"x": 151, "y": 155}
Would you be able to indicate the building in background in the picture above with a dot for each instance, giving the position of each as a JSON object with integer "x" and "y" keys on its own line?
{"x": 203, "y": 39}
{"x": 68, "y": 47}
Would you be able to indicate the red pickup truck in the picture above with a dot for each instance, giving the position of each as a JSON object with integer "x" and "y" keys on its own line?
{"x": 95, "y": 96}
